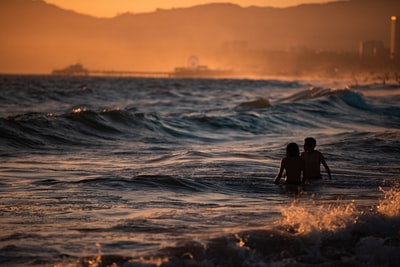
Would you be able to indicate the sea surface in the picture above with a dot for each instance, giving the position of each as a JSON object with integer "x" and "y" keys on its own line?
{"x": 118, "y": 171}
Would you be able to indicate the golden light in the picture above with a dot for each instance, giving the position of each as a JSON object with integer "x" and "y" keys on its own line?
{"x": 106, "y": 8}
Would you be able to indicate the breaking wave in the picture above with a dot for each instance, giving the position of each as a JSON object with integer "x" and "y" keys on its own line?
{"x": 308, "y": 234}
{"x": 83, "y": 126}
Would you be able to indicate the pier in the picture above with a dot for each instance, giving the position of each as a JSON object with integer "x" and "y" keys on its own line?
{"x": 196, "y": 71}
{"x": 79, "y": 70}
{"x": 129, "y": 73}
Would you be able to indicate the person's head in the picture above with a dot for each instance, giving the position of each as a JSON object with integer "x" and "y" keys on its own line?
{"x": 292, "y": 150}
{"x": 309, "y": 144}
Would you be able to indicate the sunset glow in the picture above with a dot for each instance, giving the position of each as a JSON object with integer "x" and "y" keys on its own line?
{"x": 105, "y": 8}
{"x": 199, "y": 133}
{"x": 153, "y": 38}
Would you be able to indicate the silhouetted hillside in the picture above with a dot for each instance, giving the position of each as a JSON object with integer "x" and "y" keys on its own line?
{"x": 37, "y": 37}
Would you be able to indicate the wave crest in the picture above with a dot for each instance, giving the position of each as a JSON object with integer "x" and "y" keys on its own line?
{"x": 352, "y": 98}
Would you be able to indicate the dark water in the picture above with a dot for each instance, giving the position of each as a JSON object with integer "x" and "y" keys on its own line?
{"x": 98, "y": 171}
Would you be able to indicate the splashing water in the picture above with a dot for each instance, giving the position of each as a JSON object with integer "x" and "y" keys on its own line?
{"x": 306, "y": 219}
{"x": 390, "y": 204}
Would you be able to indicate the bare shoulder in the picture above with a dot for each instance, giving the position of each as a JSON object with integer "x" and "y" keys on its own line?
{"x": 319, "y": 155}
{"x": 314, "y": 155}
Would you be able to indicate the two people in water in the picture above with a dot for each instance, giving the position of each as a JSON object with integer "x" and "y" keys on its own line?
{"x": 307, "y": 163}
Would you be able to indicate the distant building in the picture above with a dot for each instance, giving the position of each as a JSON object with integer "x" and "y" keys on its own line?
{"x": 373, "y": 54}
{"x": 372, "y": 49}
{"x": 72, "y": 70}
{"x": 194, "y": 70}
{"x": 395, "y": 38}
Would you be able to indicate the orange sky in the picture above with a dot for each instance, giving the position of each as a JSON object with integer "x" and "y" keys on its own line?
{"x": 108, "y": 8}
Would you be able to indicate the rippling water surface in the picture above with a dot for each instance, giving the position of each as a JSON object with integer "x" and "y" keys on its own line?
{"x": 98, "y": 171}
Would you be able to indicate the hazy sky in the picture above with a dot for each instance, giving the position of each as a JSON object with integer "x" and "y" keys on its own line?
{"x": 110, "y": 8}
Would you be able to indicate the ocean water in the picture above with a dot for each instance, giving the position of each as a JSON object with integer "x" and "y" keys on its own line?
{"x": 117, "y": 171}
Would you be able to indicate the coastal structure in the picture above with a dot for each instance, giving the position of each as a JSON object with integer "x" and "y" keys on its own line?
{"x": 372, "y": 48}
{"x": 195, "y": 70}
{"x": 192, "y": 70}
{"x": 79, "y": 70}
{"x": 395, "y": 38}
{"x": 72, "y": 70}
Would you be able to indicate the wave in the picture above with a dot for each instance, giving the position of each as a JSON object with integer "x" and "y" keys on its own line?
{"x": 347, "y": 97}
{"x": 84, "y": 126}
{"x": 308, "y": 234}
{"x": 352, "y": 98}
{"x": 80, "y": 126}
{"x": 341, "y": 108}
{"x": 177, "y": 181}
{"x": 140, "y": 182}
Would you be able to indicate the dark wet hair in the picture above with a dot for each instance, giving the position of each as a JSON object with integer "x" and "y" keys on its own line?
{"x": 292, "y": 150}
{"x": 310, "y": 142}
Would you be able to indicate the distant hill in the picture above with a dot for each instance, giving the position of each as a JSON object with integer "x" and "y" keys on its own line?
{"x": 37, "y": 37}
